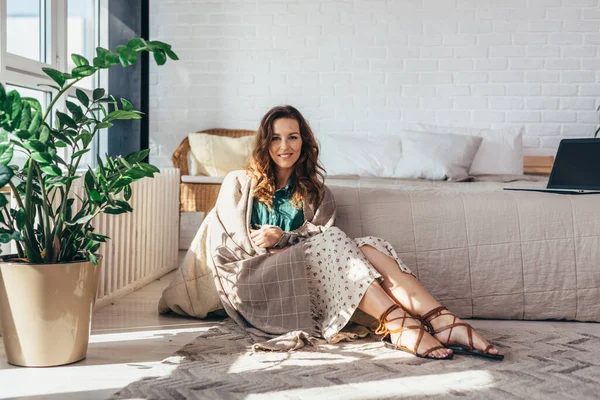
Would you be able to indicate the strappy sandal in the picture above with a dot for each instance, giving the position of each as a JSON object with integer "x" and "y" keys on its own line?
{"x": 387, "y": 334}
{"x": 458, "y": 349}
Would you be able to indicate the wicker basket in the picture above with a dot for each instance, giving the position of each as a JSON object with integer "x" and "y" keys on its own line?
{"x": 199, "y": 197}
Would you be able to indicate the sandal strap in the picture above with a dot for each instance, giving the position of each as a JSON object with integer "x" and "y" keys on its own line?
{"x": 381, "y": 327}
{"x": 436, "y": 312}
{"x": 432, "y": 314}
{"x": 488, "y": 348}
{"x": 432, "y": 349}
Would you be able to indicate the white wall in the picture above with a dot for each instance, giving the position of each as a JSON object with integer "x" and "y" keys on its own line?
{"x": 370, "y": 66}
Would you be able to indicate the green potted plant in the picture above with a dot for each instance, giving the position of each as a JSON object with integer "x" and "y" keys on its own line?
{"x": 48, "y": 288}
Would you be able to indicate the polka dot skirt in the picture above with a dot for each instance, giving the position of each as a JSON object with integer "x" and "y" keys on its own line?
{"x": 339, "y": 275}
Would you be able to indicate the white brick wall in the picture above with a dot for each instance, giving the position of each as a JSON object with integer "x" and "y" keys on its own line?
{"x": 371, "y": 66}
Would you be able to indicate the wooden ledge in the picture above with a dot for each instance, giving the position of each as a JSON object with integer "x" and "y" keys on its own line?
{"x": 538, "y": 165}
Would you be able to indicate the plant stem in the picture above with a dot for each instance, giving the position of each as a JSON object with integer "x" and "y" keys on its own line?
{"x": 58, "y": 96}
{"x": 12, "y": 225}
{"x": 48, "y": 239}
{"x": 29, "y": 226}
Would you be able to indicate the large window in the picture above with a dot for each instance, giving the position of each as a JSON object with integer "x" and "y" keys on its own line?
{"x": 38, "y": 33}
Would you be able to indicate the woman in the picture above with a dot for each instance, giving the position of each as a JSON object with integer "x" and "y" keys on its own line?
{"x": 281, "y": 266}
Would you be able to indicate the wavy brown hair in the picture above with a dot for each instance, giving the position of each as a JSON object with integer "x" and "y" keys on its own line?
{"x": 308, "y": 175}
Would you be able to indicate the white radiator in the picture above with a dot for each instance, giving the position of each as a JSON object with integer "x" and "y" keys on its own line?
{"x": 144, "y": 244}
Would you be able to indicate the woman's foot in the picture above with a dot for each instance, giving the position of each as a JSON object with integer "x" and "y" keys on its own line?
{"x": 451, "y": 331}
{"x": 407, "y": 333}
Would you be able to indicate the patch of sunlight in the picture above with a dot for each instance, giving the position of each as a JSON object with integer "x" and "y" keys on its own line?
{"x": 142, "y": 335}
{"x": 21, "y": 382}
{"x": 420, "y": 385}
{"x": 276, "y": 360}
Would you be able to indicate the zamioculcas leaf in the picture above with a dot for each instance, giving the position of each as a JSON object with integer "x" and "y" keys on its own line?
{"x": 79, "y": 60}
{"x": 128, "y": 57}
{"x": 82, "y": 97}
{"x": 127, "y": 106}
{"x": 80, "y": 153}
{"x": 7, "y": 237}
{"x": 101, "y": 62}
{"x": 113, "y": 210}
{"x": 61, "y": 136}
{"x": 44, "y": 134}
{"x": 136, "y": 43}
{"x": 86, "y": 139}
{"x": 93, "y": 259}
{"x": 121, "y": 114}
{"x": 137, "y": 156}
{"x": 51, "y": 170}
{"x": 151, "y": 169}
{"x": 98, "y": 94}
{"x": 35, "y": 145}
{"x": 160, "y": 57}
{"x": 103, "y": 125}
{"x": 127, "y": 192}
{"x": 101, "y": 51}
{"x": 82, "y": 220}
{"x": 65, "y": 119}
{"x": 35, "y": 122}
{"x": 19, "y": 216}
{"x": 6, "y": 154}
{"x": 123, "y": 181}
{"x": 25, "y": 116}
{"x": 124, "y": 205}
{"x": 15, "y": 100}
{"x": 171, "y": 54}
{"x": 55, "y": 75}
{"x": 96, "y": 196}
{"x": 42, "y": 157}
{"x": 35, "y": 103}
{"x": 75, "y": 110}
{"x": 23, "y": 135}
{"x": 6, "y": 174}
{"x": 89, "y": 180}
{"x": 83, "y": 71}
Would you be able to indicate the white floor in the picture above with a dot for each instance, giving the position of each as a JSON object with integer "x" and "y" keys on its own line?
{"x": 129, "y": 337}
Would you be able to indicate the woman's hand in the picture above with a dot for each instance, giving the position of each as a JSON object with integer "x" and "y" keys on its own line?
{"x": 266, "y": 236}
{"x": 275, "y": 251}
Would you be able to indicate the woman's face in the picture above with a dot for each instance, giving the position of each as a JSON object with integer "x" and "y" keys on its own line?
{"x": 286, "y": 144}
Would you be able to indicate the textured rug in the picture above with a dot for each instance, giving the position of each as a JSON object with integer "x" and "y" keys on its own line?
{"x": 219, "y": 365}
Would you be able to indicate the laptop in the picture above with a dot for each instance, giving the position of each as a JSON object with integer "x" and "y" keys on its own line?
{"x": 576, "y": 168}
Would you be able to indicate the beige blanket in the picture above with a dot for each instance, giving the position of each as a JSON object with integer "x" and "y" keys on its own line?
{"x": 265, "y": 293}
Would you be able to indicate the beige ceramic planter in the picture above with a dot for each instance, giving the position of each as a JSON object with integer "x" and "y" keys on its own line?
{"x": 45, "y": 311}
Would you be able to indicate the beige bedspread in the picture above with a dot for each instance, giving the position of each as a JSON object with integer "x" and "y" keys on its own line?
{"x": 484, "y": 252}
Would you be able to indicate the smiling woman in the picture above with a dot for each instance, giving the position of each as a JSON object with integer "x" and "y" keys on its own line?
{"x": 282, "y": 268}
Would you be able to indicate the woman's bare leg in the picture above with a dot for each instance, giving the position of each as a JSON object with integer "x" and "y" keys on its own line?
{"x": 406, "y": 290}
{"x": 376, "y": 301}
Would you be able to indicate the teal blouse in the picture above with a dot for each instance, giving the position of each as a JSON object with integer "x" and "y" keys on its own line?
{"x": 283, "y": 214}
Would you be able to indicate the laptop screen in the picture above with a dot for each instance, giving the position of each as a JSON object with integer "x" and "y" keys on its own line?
{"x": 577, "y": 165}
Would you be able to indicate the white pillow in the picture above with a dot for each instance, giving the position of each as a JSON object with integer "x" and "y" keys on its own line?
{"x": 356, "y": 155}
{"x": 215, "y": 155}
{"x": 500, "y": 153}
{"x": 436, "y": 156}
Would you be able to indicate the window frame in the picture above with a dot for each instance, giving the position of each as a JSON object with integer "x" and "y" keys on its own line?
{"x": 21, "y": 71}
